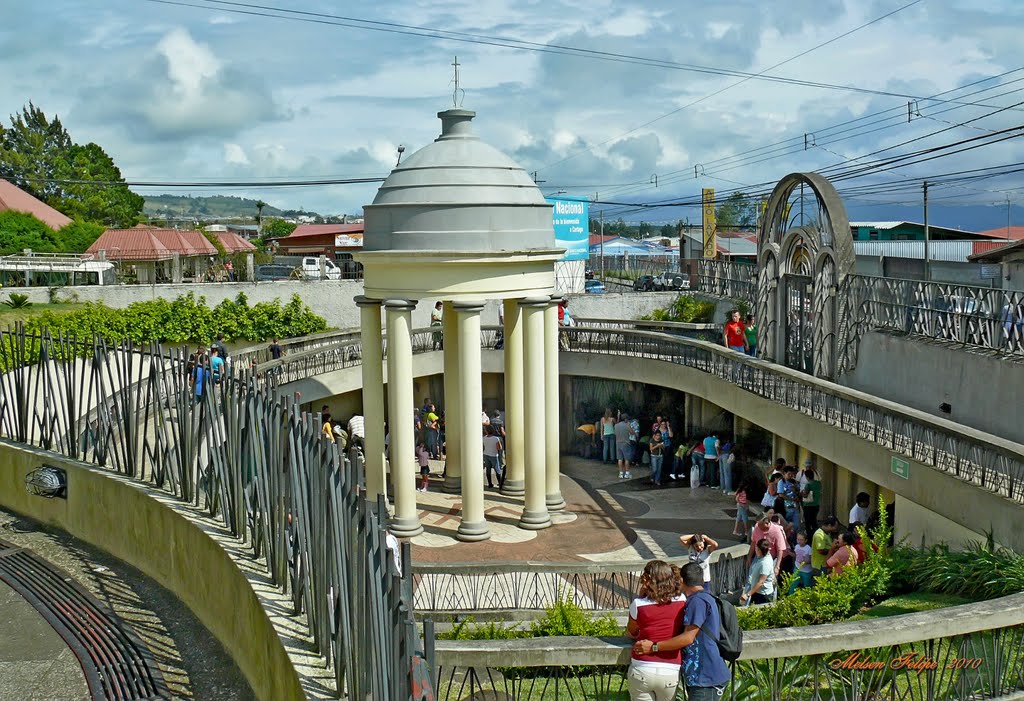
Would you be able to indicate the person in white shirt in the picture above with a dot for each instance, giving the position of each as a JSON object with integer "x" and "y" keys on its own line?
{"x": 700, "y": 547}
{"x": 861, "y": 511}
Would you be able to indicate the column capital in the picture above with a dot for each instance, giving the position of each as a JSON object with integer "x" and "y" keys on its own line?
{"x": 468, "y": 307}
{"x": 400, "y": 305}
{"x": 364, "y": 301}
{"x": 535, "y": 301}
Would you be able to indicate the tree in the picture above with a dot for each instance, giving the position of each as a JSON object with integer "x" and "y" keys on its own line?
{"x": 260, "y": 204}
{"x": 668, "y": 231}
{"x": 738, "y": 211}
{"x": 82, "y": 181}
{"x": 19, "y": 231}
{"x": 278, "y": 228}
{"x": 77, "y": 236}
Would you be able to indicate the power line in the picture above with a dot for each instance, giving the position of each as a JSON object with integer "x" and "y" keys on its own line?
{"x": 731, "y": 86}
{"x": 506, "y": 42}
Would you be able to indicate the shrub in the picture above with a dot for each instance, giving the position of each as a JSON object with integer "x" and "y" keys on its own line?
{"x": 980, "y": 571}
{"x": 832, "y": 598}
{"x": 563, "y": 617}
{"x": 686, "y": 309}
{"x": 18, "y": 301}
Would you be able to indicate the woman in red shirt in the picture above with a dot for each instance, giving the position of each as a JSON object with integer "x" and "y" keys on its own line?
{"x": 656, "y": 615}
{"x": 735, "y": 333}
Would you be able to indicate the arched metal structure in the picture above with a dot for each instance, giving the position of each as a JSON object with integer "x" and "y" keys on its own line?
{"x": 805, "y": 251}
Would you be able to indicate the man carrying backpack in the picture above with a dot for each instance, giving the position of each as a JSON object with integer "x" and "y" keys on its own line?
{"x": 706, "y": 636}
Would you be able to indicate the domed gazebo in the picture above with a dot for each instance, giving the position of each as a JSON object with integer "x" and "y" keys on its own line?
{"x": 461, "y": 222}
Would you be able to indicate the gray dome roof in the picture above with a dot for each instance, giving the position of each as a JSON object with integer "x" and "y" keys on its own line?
{"x": 458, "y": 194}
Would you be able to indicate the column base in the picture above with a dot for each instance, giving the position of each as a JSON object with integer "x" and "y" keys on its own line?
{"x": 535, "y": 520}
{"x": 452, "y": 484}
{"x": 471, "y": 532}
{"x": 514, "y": 488}
{"x": 555, "y": 501}
{"x": 405, "y": 527}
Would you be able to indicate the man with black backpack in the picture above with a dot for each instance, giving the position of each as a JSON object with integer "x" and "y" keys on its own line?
{"x": 711, "y": 635}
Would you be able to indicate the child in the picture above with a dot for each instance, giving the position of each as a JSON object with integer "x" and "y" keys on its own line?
{"x": 424, "y": 457}
{"x": 803, "y": 563}
{"x": 742, "y": 514}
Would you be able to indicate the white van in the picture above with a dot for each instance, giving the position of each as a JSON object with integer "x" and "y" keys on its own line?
{"x": 311, "y": 268}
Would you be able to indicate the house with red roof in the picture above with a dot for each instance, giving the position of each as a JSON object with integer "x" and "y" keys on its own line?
{"x": 13, "y": 198}
{"x": 148, "y": 254}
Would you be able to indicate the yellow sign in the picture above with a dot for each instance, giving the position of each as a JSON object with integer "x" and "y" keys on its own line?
{"x": 710, "y": 244}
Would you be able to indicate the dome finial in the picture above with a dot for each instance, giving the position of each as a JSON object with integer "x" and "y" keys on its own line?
{"x": 456, "y": 100}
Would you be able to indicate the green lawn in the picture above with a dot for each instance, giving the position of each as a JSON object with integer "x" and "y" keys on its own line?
{"x": 911, "y": 603}
{"x": 10, "y": 316}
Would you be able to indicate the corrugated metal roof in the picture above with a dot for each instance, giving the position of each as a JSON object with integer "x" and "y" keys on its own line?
{"x": 304, "y": 230}
{"x": 880, "y": 225}
{"x": 937, "y": 250}
{"x": 151, "y": 244}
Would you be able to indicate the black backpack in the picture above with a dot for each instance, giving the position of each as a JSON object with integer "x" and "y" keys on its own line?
{"x": 730, "y": 635}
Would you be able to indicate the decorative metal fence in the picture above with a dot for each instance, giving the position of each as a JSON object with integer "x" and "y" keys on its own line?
{"x": 985, "y": 664}
{"x": 521, "y": 586}
{"x": 246, "y": 454}
{"x": 728, "y": 279}
{"x": 985, "y": 464}
{"x": 979, "y": 317}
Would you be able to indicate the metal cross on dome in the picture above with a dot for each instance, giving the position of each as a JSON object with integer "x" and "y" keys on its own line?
{"x": 455, "y": 93}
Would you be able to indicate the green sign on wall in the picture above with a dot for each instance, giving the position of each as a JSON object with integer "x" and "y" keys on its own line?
{"x": 900, "y": 467}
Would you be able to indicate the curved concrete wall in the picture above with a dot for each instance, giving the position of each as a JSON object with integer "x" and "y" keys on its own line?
{"x": 948, "y": 499}
{"x": 150, "y": 531}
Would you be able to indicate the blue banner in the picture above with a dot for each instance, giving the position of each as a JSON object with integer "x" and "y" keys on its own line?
{"x": 572, "y": 227}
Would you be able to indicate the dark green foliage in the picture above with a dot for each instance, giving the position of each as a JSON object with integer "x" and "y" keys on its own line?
{"x": 38, "y": 155}
{"x": 77, "y": 236}
{"x": 19, "y": 231}
{"x": 563, "y": 617}
{"x": 686, "y": 309}
{"x": 186, "y": 319}
{"x": 980, "y": 571}
{"x": 18, "y": 301}
{"x": 832, "y": 598}
{"x": 277, "y": 228}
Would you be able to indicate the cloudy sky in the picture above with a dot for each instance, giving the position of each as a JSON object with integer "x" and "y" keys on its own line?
{"x": 206, "y": 92}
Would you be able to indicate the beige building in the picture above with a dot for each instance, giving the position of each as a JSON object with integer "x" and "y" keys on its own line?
{"x": 460, "y": 222}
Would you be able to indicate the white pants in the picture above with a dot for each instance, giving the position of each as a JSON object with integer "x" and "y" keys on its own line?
{"x": 653, "y": 684}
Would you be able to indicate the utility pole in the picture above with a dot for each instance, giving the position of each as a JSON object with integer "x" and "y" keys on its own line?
{"x": 927, "y": 264}
{"x": 1007, "y": 217}
{"x": 602, "y": 244}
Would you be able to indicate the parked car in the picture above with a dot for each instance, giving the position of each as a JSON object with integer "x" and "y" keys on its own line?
{"x": 644, "y": 283}
{"x": 593, "y": 287}
{"x": 670, "y": 280}
{"x": 275, "y": 272}
{"x": 311, "y": 268}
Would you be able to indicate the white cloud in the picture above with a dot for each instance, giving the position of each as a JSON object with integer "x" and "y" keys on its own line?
{"x": 235, "y": 154}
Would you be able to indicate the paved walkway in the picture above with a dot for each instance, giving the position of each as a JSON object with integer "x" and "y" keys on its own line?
{"x": 35, "y": 662}
{"x": 606, "y": 520}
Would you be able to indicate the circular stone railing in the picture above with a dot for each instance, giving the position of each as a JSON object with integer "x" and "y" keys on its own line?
{"x": 962, "y": 653}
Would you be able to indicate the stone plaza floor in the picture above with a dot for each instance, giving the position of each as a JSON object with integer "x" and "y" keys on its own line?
{"x": 605, "y": 520}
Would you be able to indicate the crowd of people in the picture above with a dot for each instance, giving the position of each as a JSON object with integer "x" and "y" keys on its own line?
{"x": 208, "y": 365}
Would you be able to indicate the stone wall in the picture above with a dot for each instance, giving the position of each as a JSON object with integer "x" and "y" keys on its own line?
{"x": 982, "y": 389}
{"x": 332, "y": 299}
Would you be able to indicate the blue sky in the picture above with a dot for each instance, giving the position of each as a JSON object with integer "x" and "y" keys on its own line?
{"x": 189, "y": 93}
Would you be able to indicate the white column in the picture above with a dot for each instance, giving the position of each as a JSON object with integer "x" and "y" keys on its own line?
{"x": 552, "y": 467}
{"x": 452, "y": 413}
{"x": 405, "y": 523}
{"x": 535, "y": 508}
{"x": 471, "y": 445}
{"x": 515, "y": 444}
{"x": 373, "y": 395}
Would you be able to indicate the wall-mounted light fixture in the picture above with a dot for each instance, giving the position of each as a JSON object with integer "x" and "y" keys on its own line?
{"x": 48, "y": 482}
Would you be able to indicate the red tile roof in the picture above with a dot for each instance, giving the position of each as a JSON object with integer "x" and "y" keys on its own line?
{"x": 304, "y": 230}
{"x": 17, "y": 200}
{"x": 595, "y": 239}
{"x": 151, "y": 244}
{"x": 233, "y": 243}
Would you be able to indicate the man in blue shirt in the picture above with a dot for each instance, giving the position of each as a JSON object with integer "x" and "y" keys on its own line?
{"x": 704, "y": 670}
{"x": 216, "y": 365}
